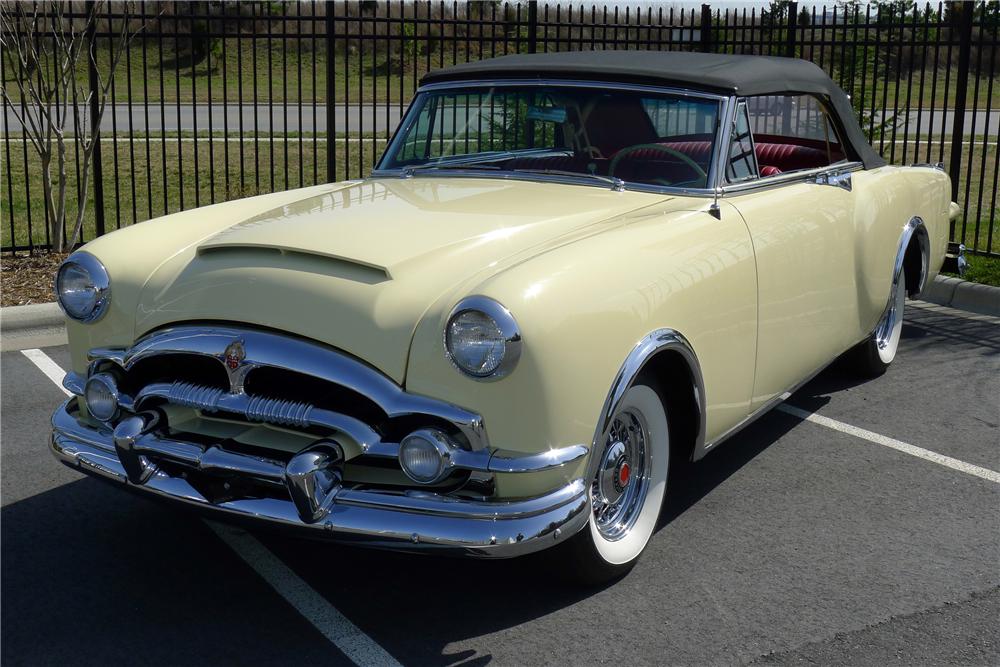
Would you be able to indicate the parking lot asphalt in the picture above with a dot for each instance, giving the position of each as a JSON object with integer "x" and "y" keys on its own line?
{"x": 792, "y": 543}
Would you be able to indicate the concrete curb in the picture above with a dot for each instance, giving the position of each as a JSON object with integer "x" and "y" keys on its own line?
{"x": 963, "y": 295}
{"x": 35, "y": 316}
{"x": 944, "y": 291}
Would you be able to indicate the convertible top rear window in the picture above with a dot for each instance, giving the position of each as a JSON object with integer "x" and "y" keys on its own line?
{"x": 637, "y": 136}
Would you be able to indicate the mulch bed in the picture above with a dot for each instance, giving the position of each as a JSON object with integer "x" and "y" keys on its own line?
{"x": 27, "y": 278}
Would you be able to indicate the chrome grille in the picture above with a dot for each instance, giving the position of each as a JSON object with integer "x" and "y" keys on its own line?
{"x": 257, "y": 408}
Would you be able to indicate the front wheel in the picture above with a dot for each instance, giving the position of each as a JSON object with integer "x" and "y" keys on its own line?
{"x": 872, "y": 357}
{"x": 627, "y": 491}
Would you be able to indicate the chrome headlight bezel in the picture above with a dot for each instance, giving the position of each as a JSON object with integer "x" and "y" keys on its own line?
{"x": 100, "y": 282}
{"x": 506, "y": 326}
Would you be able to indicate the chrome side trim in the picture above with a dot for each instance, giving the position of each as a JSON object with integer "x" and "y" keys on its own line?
{"x": 658, "y": 341}
{"x": 417, "y": 521}
{"x": 512, "y": 462}
{"x": 265, "y": 349}
{"x": 803, "y": 176}
{"x": 914, "y": 227}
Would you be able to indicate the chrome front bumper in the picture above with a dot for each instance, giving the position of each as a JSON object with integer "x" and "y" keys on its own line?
{"x": 414, "y": 521}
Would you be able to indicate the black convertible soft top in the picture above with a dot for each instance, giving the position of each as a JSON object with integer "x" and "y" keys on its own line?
{"x": 727, "y": 74}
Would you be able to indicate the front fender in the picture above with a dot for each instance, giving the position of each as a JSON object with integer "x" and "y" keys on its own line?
{"x": 583, "y": 307}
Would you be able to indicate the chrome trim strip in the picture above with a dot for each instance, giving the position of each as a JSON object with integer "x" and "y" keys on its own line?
{"x": 512, "y": 462}
{"x": 803, "y": 176}
{"x": 657, "y": 341}
{"x": 413, "y": 521}
{"x": 266, "y": 349}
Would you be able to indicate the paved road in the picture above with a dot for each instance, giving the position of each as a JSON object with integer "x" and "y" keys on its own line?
{"x": 794, "y": 543}
{"x": 362, "y": 118}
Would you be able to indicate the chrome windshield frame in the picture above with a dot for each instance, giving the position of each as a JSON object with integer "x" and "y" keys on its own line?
{"x": 725, "y": 112}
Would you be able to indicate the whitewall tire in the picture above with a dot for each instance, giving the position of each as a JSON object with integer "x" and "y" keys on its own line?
{"x": 872, "y": 357}
{"x": 628, "y": 488}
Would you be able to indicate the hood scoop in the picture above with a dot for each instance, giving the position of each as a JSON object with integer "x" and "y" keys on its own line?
{"x": 261, "y": 256}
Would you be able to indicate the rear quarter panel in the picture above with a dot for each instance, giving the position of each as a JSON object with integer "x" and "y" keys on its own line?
{"x": 886, "y": 199}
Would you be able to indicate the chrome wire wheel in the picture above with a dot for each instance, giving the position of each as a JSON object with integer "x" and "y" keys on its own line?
{"x": 622, "y": 482}
{"x": 890, "y": 327}
{"x": 631, "y": 479}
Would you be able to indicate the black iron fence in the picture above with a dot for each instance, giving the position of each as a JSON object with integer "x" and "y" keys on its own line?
{"x": 214, "y": 101}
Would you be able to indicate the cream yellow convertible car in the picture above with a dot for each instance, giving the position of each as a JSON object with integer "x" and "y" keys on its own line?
{"x": 566, "y": 271}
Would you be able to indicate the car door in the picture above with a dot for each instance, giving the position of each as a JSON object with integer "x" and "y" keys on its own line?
{"x": 800, "y": 215}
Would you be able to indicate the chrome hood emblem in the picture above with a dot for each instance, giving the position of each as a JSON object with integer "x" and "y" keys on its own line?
{"x": 237, "y": 367}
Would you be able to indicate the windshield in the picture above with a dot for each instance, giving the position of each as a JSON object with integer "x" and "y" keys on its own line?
{"x": 641, "y": 137}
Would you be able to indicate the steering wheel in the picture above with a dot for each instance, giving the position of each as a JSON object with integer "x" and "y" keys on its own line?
{"x": 695, "y": 167}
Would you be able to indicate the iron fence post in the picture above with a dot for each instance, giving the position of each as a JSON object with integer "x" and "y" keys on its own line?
{"x": 95, "y": 124}
{"x": 331, "y": 109}
{"x": 793, "y": 18}
{"x": 532, "y": 26}
{"x": 964, "y": 13}
{"x": 706, "y": 28}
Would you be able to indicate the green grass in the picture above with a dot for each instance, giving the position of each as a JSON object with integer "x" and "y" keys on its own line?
{"x": 174, "y": 182}
{"x": 985, "y": 270}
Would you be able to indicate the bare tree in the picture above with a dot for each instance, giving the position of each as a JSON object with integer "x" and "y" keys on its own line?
{"x": 50, "y": 44}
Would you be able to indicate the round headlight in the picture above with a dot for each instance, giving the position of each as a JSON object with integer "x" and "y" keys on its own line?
{"x": 83, "y": 287}
{"x": 425, "y": 456}
{"x": 482, "y": 339}
{"x": 101, "y": 392}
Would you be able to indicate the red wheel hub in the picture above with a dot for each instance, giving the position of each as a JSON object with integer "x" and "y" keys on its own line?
{"x": 624, "y": 472}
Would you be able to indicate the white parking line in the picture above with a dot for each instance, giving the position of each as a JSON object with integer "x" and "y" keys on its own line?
{"x": 892, "y": 443}
{"x": 343, "y": 634}
{"x": 46, "y": 365}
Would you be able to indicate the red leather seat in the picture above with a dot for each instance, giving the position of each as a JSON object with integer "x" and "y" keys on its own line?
{"x": 699, "y": 151}
{"x": 789, "y": 157}
{"x": 769, "y": 171}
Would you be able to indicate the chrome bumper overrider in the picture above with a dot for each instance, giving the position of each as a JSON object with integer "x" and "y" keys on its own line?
{"x": 316, "y": 503}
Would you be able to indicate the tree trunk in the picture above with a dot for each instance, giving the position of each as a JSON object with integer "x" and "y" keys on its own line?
{"x": 62, "y": 193}
{"x": 88, "y": 158}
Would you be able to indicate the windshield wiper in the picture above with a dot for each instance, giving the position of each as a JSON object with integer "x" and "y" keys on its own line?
{"x": 409, "y": 170}
{"x": 616, "y": 184}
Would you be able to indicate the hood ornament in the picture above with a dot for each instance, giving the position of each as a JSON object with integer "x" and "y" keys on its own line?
{"x": 234, "y": 359}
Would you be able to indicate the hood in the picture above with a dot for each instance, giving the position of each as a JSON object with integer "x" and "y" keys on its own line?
{"x": 357, "y": 267}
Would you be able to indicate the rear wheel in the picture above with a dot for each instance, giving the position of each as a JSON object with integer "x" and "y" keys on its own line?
{"x": 872, "y": 357}
{"x": 627, "y": 491}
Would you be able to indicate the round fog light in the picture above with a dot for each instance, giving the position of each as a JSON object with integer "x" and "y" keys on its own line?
{"x": 425, "y": 456}
{"x": 101, "y": 393}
